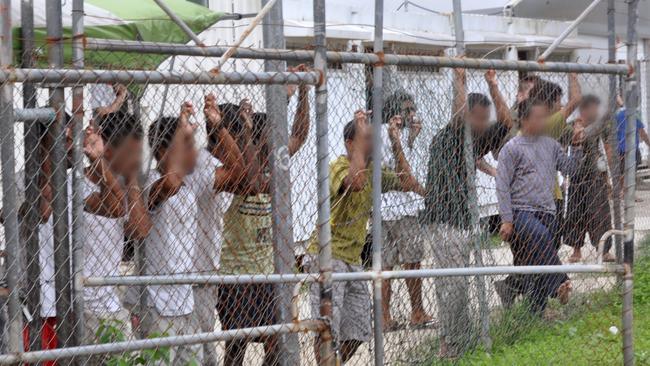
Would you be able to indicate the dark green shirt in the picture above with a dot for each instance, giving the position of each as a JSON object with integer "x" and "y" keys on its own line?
{"x": 447, "y": 184}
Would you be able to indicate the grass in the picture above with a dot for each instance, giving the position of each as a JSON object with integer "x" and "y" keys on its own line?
{"x": 582, "y": 332}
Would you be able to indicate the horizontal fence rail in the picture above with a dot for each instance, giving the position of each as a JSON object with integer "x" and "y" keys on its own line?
{"x": 152, "y": 343}
{"x": 346, "y": 276}
{"x": 73, "y": 77}
{"x": 352, "y": 57}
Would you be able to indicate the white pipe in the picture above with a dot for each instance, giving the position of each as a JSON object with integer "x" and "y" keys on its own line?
{"x": 568, "y": 31}
{"x": 245, "y": 34}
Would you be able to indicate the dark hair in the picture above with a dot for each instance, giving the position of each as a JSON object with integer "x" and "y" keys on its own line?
{"x": 349, "y": 131}
{"x": 526, "y": 107}
{"x": 533, "y": 79}
{"x": 230, "y": 119}
{"x": 260, "y": 123}
{"x": 546, "y": 91}
{"x": 588, "y": 101}
{"x": 477, "y": 100}
{"x": 393, "y": 104}
{"x": 114, "y": 128}
{"x": 161, "y": 134}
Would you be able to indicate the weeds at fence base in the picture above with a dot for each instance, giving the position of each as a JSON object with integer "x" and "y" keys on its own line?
{"x": 111, "y": 331}
{"x": 587, "y": 331}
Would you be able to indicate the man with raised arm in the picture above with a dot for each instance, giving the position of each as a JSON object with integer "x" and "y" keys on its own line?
{"x": 447, "y": 208}
{"x": 351, "y": 204}
{"x": 174, "y": 190}
{"x": 248, "y": 246}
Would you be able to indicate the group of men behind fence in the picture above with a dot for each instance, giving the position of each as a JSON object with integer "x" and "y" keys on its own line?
{"x": 208, "y": 210}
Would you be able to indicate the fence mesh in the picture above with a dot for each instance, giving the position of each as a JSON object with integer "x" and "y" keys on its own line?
{"x": 176, "y": 180}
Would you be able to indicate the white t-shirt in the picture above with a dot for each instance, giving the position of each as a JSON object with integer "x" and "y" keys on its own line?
{"x": 46, "y": 250}
{"x": 396, "y": 205}
{"x": 170, "y": 246}
{"x": 103, "y": 244}
{"x": 211, "y": 209}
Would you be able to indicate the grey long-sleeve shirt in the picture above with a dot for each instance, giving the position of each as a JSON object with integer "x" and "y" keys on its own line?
{"x": 527, "y": 173}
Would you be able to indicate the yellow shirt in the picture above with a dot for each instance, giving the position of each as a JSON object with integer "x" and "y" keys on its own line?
{"x": 350, "y": 211}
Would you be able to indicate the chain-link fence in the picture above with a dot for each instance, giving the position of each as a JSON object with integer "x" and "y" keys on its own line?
{"x": 302, "y": 207}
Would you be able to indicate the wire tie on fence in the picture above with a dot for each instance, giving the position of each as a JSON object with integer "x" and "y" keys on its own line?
{"x": 380, "y": 56}
{"x": 53, "y": 40}
{"x": 321, "y": 78}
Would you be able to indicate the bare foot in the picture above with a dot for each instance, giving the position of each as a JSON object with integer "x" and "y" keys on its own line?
{"x": 609, "y": 257}
{"x": 444, "y": 352}
{"x": 564, "y": 292}
{"x": 576, "y": 256}
{"x": 389, "y": 324}
{"x": 420, "y": 318}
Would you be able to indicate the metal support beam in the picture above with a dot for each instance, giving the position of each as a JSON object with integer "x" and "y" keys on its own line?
{"x": 346, "y": 276}
{"x": 377, "y": 236}
{"x": 32, "y": 154}
{"x": 9, "y": 205}
{"x": 77, "y": 174}
{"x": 94, "y": 44}
{"x": 631, "y": 115}
{"x": 63, "y": 77}
{"x": 288, "y": 347}
{"x": 181, "y": 24}
{"x": 470, "y": 166}
{"x": 62, "y": 260}
{"x": 326, "y": 351}
{"x": 42, "y": 115}
{"x": 568, "y": 30}
{"x": 152, "y": 343}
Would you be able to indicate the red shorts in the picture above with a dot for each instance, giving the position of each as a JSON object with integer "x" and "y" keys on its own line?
{"x": 48, "y": 337}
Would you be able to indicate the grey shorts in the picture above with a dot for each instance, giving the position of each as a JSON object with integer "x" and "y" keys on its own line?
{"x": 403, "y": 241}
{"x": 350, "y": 303}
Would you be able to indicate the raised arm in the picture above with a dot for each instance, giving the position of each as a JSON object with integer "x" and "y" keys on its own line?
{"x": 226, "y": 150}
{"x": 402, "y": 167}
{"x": 300, "y": 128}
{"x": 575, "y": 96}
{"x": 459, "y": 104}
{"x": 120, "y": 97}
{"x": 504, "y": 115}
{"x": 172, "y": 172}
{"x": 138, "y": 223}
{"x": 358, "y": 172}
{"x": 109, "y": 201}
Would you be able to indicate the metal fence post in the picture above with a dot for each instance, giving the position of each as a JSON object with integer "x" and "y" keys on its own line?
{"x": 78, "y": 172}
{"x": 468, "y": 150}
{"x": 377, "y": 107}
{"x": 9, "y": 206}
{"x": 276, "y": 106}
{"x": 631, "y": 106}
{"x": 33, "y": 156}
{"x": 613, "y": 139}
{"x": 63, "y": 284}
{"x": 326, "y": 351}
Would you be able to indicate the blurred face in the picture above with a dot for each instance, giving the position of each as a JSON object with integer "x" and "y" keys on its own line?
{"x": 536, "y": 122}
{"x": 126, "y": 158}
{"x": 556, "y": 106}
{"x": 524, "y": 90}
{"x": 589, "y": 113}
{"x": 479, "y": 119}
{"x": 362, "y": 139}
{"x": 407, "y": 112}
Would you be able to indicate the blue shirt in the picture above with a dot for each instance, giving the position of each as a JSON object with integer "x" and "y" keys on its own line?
{"x": 620, "y": 131}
